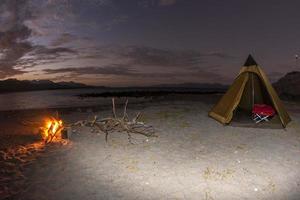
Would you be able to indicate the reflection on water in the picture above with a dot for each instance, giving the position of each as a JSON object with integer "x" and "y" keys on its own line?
{"x": 48, "y": 99}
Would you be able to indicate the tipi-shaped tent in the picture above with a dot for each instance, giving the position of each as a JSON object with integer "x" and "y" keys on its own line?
{"x": 250, "y": 87}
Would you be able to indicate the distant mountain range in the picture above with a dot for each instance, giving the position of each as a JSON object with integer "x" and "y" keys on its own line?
{"x": 288, "y": 87}
{"x": 14, "y": 85}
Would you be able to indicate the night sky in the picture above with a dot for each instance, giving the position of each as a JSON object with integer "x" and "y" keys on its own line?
{"x": 146, "y": 42}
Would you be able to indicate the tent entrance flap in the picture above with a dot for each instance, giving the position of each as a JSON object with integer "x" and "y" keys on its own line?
{"x": 223, "y": 110}
{"x": 254, "y": 93}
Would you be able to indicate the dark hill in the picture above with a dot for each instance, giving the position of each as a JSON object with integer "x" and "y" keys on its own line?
{"x": 288, "y": 87}
{"x": 14, "y": 85}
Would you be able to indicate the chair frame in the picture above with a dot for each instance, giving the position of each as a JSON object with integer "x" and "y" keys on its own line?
{"x": 259, "y": 118}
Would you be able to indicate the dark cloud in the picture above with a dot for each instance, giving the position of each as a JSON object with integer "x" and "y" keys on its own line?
{"x": 145, "y": 56}
{"x": 151, "y": 3}
{"x": 109, "y": 24}
{"x": 40, "y": 55}
{"x": 13, "y": 13}
{"x": 13, "y": 35}
{"x": 18, "y": 22}
{"x": 219, "y": 55}
{"x": 30, "y": 63}
{"x": 64, "y": 39}
{"x": 42, "y": 50}
{"x": 107, "y": 70}
{"x": 141, "y": 55}
{"x": 166, "y": 2}
{"x": 6, "y": 71}
{"x": 146, "y": 63}
{"x": 126, "y": 71}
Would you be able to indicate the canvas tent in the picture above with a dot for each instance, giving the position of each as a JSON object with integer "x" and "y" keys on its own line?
{"x": 250, "y": 87}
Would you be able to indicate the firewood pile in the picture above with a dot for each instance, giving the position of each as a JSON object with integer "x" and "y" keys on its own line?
{"x": 118, "y": 124}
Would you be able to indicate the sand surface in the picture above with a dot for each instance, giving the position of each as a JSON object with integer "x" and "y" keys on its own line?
{"x": 194, "y": 157}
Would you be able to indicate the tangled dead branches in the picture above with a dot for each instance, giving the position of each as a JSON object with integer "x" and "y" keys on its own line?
{"x": 116, "y": 124}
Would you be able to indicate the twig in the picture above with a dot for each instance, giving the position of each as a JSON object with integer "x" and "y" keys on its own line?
{"x": 94, "y": 121}
{"x": 54, "y": 134}
{"x": 114, "y": 108}
{"x": 125, "y": 116}
{"x": 129, "y": 138}
{"x": 106, "y": 135}
{"x": 136, "y": 117}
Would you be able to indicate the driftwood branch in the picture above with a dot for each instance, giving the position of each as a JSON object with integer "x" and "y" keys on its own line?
{"x": 115, "y": 124}
{"x": 113, "y": 107}
{"x": 125, "y": 116}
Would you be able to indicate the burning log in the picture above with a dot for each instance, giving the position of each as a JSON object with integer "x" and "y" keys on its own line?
{"x": 115, "y": 124}
{"x": 52, "y": 130}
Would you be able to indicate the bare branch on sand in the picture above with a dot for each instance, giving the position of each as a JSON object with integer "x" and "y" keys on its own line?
{"x": 115, "y": 124}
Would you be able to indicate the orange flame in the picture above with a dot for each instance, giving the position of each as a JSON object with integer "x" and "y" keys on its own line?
{"x": 51, "y": 132}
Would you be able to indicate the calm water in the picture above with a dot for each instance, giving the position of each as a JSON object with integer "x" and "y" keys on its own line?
{"x": 64, "y": 98}
{"x": 49, "y": 99}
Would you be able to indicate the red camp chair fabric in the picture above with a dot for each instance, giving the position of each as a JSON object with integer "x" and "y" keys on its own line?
{"x": 261, "y": 112}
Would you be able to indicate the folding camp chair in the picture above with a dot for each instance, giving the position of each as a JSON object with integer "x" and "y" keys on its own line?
{"x": 261, "y": 112}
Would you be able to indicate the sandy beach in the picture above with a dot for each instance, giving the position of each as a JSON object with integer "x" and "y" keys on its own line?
{"x": 193, "y": 157}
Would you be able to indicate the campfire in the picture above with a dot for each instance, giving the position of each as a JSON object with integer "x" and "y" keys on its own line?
{"x": 52, "y": 130}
